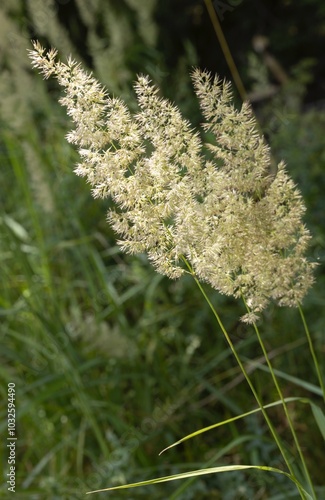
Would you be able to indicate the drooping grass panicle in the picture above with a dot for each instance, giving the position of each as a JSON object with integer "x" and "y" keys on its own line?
{"x": 239, "y": 228}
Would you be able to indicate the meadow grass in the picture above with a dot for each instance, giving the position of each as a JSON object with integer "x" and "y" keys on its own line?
{"x": 112, "y": 362}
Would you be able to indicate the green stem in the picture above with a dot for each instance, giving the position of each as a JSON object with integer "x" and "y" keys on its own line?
{"x": 285, "y": 408}
{"x": 242, "y": 367}
{"x": 311, "y": 347}
{"x": 225, "y": 49}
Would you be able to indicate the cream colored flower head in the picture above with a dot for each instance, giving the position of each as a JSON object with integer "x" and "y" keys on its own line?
{"x": 225, "y": 219}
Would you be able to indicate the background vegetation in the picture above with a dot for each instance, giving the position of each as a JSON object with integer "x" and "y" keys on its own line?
{"x": 112, "y": 362}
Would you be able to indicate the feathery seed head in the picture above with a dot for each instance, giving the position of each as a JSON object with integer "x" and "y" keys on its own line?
{"x": 226, "y": 220}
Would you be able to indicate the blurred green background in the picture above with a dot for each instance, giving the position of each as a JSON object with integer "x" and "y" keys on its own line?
{"x": 112, "y": 362}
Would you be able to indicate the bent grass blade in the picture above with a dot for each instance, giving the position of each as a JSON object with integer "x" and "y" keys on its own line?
{"x": 233, "y": 419}
{"x": 202, "y": 472}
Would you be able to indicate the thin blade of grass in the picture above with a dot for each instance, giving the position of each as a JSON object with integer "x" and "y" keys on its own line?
{"x": 202, "y": 472}
{"x": 232, "y": 419}
{"x": 295, "y": 380}
{"x": 319, "y": 417}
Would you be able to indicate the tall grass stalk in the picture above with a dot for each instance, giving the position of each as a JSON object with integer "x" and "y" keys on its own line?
{"x": 223, "y": 218}
{"x": 285, "y": 408}
{"x": 256, "y": 396}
